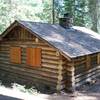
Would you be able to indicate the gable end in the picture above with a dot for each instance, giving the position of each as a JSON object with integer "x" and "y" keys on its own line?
{"x": 20, "y": 32}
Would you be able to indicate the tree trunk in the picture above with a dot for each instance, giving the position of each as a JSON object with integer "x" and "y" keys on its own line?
{"x": 53, "y": 11}
{"x": 93, "y": 11}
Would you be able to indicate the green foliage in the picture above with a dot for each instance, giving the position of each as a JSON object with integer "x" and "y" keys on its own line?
{"x": 84, "y": 12}
{"x": 78, "y": 10}
{"x": 58, "y": 9}
{"x": 46, "y": 14}
{"x": 11, "y": 10}
{"x": 48, "y": 7}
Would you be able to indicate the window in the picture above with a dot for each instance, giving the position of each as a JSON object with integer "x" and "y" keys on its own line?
{"x": 15, "y": 55}
{"x": 33, "y": 57}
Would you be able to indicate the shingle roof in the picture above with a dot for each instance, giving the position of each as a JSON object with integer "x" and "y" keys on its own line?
{"x": 73, "y": 42}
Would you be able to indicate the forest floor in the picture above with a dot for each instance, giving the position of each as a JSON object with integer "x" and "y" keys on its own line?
{"x": 18, "y": 92}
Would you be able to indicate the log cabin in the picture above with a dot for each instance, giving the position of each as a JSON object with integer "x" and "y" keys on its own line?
{"x": 49, "y": 56}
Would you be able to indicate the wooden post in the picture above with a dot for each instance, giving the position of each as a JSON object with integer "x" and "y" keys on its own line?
{"x": 88, "y": 61}
{"x": 72, "y": 70}
{"x": 70, "y": 83}
{"x": 98, "y": 58}
{"x": 59, "y": 86}
{"x": 57, "y": 53}
{"x": 36, "y": 40}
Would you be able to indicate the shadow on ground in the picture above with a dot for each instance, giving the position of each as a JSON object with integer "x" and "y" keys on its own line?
{"x": 90, "y": 92}
{"x": 3, "y": 97}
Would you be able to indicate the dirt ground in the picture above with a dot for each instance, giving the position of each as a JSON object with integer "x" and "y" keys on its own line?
{"x": 80, "y": 96}
{"x": 86, "y": 92}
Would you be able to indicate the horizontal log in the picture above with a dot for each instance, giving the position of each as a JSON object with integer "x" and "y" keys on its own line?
{"x": 83, "y": 81}
{"x": 41, "y": 45}
{"x": 87, "y": 76}
{"x": 4, "y": 59}
{"x": 4, "y": 48}
{"x": 81, "y": 62}
{"x": 51, "y": 65}
{"x": 2, "y": 55}
{"x": 85, "y": 72}
{"x": 48, "y": 53}
{"x": 35, "y": 71}
{"x": 4, "y": 45}
{"x": 50, "y": 57}
{"x": 49, "y": 61}
{"x": 32, "y": 75}
{"x": 79, "y": 59}
{"x": 44, "y": 57}
{"x": 17, "y": 43}
{"x": 46, "y": 68}
{"x": 24, "y": 79}
{"x": 68, "y": 68}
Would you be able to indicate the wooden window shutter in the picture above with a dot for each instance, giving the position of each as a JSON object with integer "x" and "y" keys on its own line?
{"x": 34, "y": 56}
{"x": 15, "y": 55}
{"x": 31, "y": 56}
{"x": 38, "y": 56}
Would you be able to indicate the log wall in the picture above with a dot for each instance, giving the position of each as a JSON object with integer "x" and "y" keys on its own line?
{"x": 45, "y": 76}
{"x": 48, "y": 73}
{"x": 68, "y": 81}
{"x": 56, "y": 71}
{"x": 87, "y": 67}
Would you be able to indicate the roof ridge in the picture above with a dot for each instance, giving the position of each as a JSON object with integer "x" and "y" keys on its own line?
{"x": 35, "y": 22}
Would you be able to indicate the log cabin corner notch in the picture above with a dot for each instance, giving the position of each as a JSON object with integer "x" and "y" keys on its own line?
{"x": 49, "y": 55}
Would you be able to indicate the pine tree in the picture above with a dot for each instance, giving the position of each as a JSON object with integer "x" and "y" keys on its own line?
{"x": 93, "y": 12}
{"x": 77, "y": 9}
